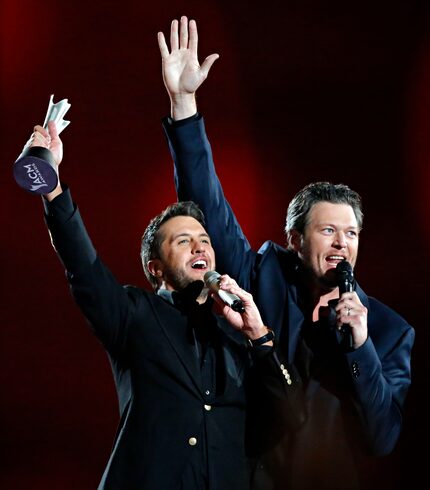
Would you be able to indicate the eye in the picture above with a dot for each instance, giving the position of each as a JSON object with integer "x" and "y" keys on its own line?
{"x": 328, "y": 230}
{"x": 351, "y": 233}
{"x": 206, "y": 240}
{"x": 183, "y": 241}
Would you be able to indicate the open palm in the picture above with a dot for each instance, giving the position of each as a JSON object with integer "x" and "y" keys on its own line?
{"x": 182, "y": 72}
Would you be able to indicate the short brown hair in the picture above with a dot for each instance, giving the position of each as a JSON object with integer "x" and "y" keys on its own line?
{"x": 152, "y": 239}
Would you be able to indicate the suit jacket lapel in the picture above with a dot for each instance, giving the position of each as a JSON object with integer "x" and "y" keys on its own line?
{"x": 277, "y": 299}
{"x": 175, "y": 326}
{"x": 270, "y": 294}
{"x": 232, "y": 342}
{"x": 295, "y": 321}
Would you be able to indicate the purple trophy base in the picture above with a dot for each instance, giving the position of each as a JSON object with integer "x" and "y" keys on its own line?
{"x": 35, "y": 170}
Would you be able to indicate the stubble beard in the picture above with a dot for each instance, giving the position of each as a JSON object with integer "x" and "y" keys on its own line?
{"x": 178, "y": 279}
{"x": 318, "y": 282}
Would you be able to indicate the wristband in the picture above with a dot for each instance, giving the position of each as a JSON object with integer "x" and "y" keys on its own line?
{"x": 270, "y": 335}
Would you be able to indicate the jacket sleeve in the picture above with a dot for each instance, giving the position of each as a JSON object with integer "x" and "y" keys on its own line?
{"x": 196, "y": 180}
{"x": 275, "y": 393}
{"x": 381, "y": 381}
{"x": 108, "y": 306}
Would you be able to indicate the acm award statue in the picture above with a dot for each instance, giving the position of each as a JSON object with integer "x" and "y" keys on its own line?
{"x": 35, "y": 169}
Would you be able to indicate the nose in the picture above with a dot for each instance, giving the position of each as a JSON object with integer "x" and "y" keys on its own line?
{"x": 198, "y": 246}
{"x": 340, "y": 240}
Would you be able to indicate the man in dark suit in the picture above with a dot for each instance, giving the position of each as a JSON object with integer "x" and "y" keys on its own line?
{"x": 354, "y": 391}
{"x": 180, "y": 370}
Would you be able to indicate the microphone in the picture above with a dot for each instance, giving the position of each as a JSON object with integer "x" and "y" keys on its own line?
{"x": 345, "y": 282}
{"x": 211, "y": 279}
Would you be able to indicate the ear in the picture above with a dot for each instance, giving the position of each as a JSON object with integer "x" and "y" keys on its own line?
{"x": 295, "y": 240}
{"x": 155, "y": 267}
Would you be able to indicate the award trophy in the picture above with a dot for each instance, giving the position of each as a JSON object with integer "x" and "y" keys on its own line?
{"x": 35, "y": 169}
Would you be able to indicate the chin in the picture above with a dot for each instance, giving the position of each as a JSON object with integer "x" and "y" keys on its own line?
{"x": 329, "y": 279}
{"x": 197, "y": 277}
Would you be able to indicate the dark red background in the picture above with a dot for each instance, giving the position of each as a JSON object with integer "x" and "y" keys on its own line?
{"x": 303, "y": 91}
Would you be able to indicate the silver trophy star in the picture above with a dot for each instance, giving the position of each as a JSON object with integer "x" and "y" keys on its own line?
{"x": 35, "y": 169}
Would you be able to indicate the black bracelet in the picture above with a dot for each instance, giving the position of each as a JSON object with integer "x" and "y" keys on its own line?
{"x": 270, "y": 335}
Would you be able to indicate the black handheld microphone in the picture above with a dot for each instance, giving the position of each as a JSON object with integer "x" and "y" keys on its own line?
{"x": 211, "y": 279}
{"x": 345, "y": 281}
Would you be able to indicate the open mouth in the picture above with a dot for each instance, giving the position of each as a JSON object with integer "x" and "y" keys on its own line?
{"x": 335, "y": 259}
{"x": 199, "y": 264}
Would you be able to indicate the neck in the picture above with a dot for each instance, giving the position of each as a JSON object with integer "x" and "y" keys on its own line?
{"x": 203, "y": 296}
{"x": 322, "y": 301}
{"x": 194, "y": 291}
{"x": 317, "y": 296}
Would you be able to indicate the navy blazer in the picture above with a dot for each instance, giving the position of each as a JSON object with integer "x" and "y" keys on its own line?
{"x": 363, "y": 416}
{"x": 163, "y": 403}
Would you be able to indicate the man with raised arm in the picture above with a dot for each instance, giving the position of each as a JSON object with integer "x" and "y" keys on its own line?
{"x": 353, "y": 352}
{"x": 180, "y": 369}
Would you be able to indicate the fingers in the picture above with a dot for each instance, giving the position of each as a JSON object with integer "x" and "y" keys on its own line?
{"x": 345, "y": 308}
{"x": 226, "y": 282}
{"x": 41, "y": 130}
{"x": 230, "y": 285}
{"x": 164, "y": 50}
{"x": 345, "y": 317}
{"x": 53, "y": 132}
{"x": 350, "y": 309}
{"x": 183, "y": 38}
{"x": 348, "y": 300}
{"x": 180, "y": 38}
{"x": 40, "y": 137}
{"x": 346, "y": 314}
{"x": 194, "y": 38}
{"x": 174, "y": 39}
{"x": 179, "y": 34}
{"x": 44, "y": 137}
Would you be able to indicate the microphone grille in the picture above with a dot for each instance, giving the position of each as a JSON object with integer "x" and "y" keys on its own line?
{"x": 210, "y": 277}
{"x": 344, "y": 269}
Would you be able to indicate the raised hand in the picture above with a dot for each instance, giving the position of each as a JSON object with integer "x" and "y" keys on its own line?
{"x": 182, "y": 73}
{"x": 49, "y": 139}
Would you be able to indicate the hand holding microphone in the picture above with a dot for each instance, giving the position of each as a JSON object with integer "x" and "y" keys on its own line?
{"x": 351, "y": 314}
{"x": 212, "y": 282}
{"x": 345, "y": 282}
{"x": 238, "y": 308}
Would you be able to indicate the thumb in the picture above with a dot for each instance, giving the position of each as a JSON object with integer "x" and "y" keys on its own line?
{"x": 207, "y": 64}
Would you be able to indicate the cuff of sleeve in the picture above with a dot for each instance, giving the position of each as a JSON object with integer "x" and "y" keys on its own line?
{"x": 364, "y": 362}
{"x": 364, "y": 352}
{"x": 261, "y": 351}
{"x": 61, "y": 207}
{"x": 182, "y": 122}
